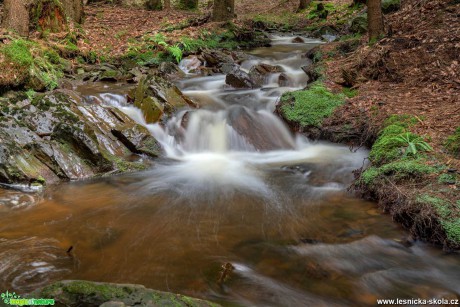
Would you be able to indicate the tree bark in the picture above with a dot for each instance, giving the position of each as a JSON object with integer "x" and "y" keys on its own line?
{"x": 303, "y": 4}
{"x": 44, "y": 15}
{"x": 16, "y": 16}
{"x": 167, "y": 4}
{"x": 374, "y": 19}
{"x": 223, "y": 10}
{"x": 73, "y": 9}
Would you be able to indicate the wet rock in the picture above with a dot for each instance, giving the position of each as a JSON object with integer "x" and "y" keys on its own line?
{"x": 227, "y": 68}
{"x": 298, "y": 40}
{"x": 239, "y": 79}
{"x": 171, "y": 71}
{"x": 156, "y": 96}
{"x": 215, "y": 58}
{"x": 283, "y": 80}
{"x": 258, "y": 73}
{"x": 254, "y": 128}
{"x": 110, "y": 76}
{"x": 313, "y": 53}
{"x": 56, "y": 136}
{"x": 312, "y": 73}
{"x": 85, "y": 293}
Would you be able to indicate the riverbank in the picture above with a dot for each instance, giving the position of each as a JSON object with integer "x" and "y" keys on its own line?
{"x": 399, "y": 96}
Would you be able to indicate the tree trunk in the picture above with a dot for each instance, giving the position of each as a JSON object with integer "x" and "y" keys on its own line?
{"x": 73, "y": 10}
{"x": 374, "y": 19}
{"x": 16, "y": 16}
{"x": 303, "y": 4}
{"x": 188, "y": 4}
{"x": 167, "y": 4}
{"x": 223, "y": 10}
{"x": 44, "y": 15}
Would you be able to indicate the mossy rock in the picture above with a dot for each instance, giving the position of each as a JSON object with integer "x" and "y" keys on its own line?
{"x": 359, "y": 24}
{"x": 389, "y": 6}
{"x": 308, "y": 108}
{"x": 86, "y": 293}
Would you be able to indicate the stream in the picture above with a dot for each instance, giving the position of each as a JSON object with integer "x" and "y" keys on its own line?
{"x": 234, "y": 186}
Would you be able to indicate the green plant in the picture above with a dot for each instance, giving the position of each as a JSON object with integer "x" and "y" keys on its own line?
{"x": 176, "y": 52}
{"x": 452, "y": 143}
{"x": 447, "y": 178}
{"x": 310, "y": 107}
{"x": 349, "y": 92}
{"x": 413, "y": 143}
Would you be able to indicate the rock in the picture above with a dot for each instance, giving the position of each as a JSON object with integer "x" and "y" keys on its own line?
{"x": 86, "y": 293}
{"x": 359, "y": 24}
{"x": 190, "y": 64}
{"x": 156, "y": 96}
{"x": 215, "y": 58}
{"x": 298, "y": 40}
{"x": 56, "y": 136}
{"x": 171, "y": 71}
{"x": 239, "y": 79}
{"x": 227, "y": 68}
{"x": 326, "y": 30}
{"x": 258, "y": 73}
{"x": 109, "y": 75}
{"x": 389, "y": 6}
{"x": 313, "y": 53}
{"x": 311, "y": 72}
{"x": 283, "y": 80}
{"x": 254, "y": 129}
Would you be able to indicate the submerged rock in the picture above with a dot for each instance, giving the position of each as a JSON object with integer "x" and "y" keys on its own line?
{"x": 55, "y": 136}
{"x": 85, "y": 293}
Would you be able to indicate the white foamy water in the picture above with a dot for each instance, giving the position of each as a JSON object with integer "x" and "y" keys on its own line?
{"x": 235, "y": 139}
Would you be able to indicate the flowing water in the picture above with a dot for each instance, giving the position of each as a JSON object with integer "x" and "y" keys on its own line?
{"x": 234, "y": 186}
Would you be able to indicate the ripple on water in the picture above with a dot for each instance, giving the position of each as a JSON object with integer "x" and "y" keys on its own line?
{"x": 30, "y": 263}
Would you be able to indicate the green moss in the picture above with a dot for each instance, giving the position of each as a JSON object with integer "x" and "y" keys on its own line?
{"x": 349, "y": 92}
{"x": 442, "y": 206}
{"x": 386, "y": 148}
{"x": 453, "y": 143}
{"x": 406, "y": 169}
{"x": 452, "y": 229}
{"x": 311, "y": 106}
{"x": 369, "y": 175}
{"x": 18, "y": 51}
{"x": 447, "y": 179}
{"x": 403, "y": 120}
{"x": 389, "y": 145}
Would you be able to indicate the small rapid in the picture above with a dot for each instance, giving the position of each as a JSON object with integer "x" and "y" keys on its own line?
{"x": 234, "y": 186}
{"x": 235, "y": 140}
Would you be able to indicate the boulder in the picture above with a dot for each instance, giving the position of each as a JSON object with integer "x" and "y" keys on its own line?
{"x": 298, "y": 40}
{"x": 86, "y": 293}
{"x": 55, "y": 136}
{"x": 239, "y": 79}
{"x": 171, "y": 71}
{"x": 258, "y": 73}
{"x": 156, "y": 96}
{"x": 283, "y": 80}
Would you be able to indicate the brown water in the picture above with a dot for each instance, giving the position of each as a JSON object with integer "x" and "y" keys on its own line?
{"x": 281, "y": 216}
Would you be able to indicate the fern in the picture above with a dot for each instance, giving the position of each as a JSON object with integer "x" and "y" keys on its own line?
{"x": 176, "y": 52}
